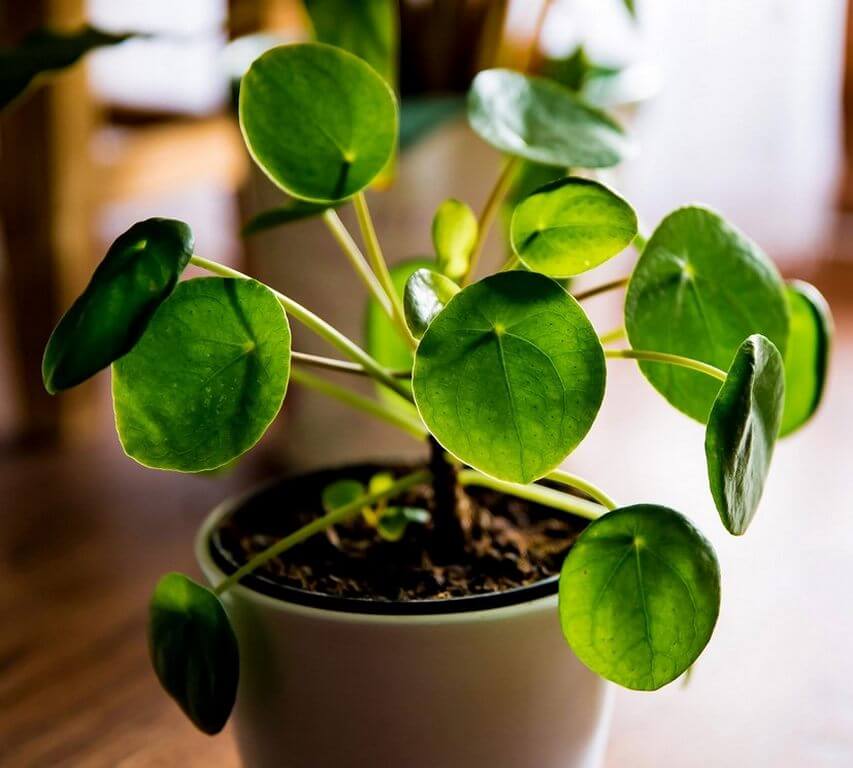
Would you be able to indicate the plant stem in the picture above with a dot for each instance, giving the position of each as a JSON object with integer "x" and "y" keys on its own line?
{"x": 356, "y": 259}
{"x": 339, "y": 515}
{"x": 615, "y": 335}
{"x": 640, "y": 242}
{"x": 487, "y": 215}
{"x": 539, "y": 494}
{"x": 360, "y": 403}
{"x": 380, "y": 267}
{"x": 664, "y": 357}
{"x": 342, "y": 366}
{"x": 579, "y": 484}
{"x": 511, "y": 263}
{"x": 603, "y": 288}
{"x": 448, "y": 530}
{"x": 319, "y": 326}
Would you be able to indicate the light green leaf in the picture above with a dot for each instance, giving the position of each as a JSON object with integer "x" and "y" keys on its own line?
{"x": 207, "y": 378}
{"x": 367, "y": 28}
{"x": 138, "y": 273}
{"x": 742, "y": 430}
{"x": 807, "y": 356}
{"x": 570, "y": 226}
{"x": 293, "y": 210}
{"x": 540, "y": 120}
{"x": 509, "y": 376}
{"x": 454, "y": 235}
{"x": 46, "y": 51}
{"x": 194, "y": 650}
{"x": 318, "y": 121}
{"x": 394, "y": 521}
{"x": 425, "y": 296}
{"x": 699, "y": 289}
{"x": 341, "y": 492}
{"x": 639, "y": 596}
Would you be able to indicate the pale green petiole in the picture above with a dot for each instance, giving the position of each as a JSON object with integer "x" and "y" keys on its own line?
{"x": 603, "y": 288}
{"x": 578, "y": 483}
{"x": 665, "y": 357}
{"x": 319, "y": 326}
{"x": 617, "y": 334}
{"x": 341, "y": 366}
{"x": 339, "y": 515}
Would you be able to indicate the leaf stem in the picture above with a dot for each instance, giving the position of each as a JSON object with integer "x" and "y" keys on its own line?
{"x": 342, "y": 366}
{"x": 343, "y": 395}
{"x": 665, "y": 357}
{"x": 319, "y": 326}
{"x": 380, "y": 267}
{"x": 579, "y": 484}
{"x": 356, "y": 259}
{"x": 539, "y": 494}
{"x": 487, "y": 215}
{"x": 615, "y": 335}
{"x": 336, "y": 516}
{"x": 603, "y": 288}
{"x": 640, "y": 242}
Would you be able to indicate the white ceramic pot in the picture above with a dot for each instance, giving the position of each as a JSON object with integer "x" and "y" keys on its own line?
{"x": 487, "y": 682}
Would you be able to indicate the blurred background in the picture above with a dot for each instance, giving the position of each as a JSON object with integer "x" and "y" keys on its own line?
{"x": 746, "y": 107}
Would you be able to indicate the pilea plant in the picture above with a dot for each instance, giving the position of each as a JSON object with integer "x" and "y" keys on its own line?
{"x": 503, "y": 375}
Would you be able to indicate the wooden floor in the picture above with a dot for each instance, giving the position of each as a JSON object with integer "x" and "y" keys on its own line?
{"x": 84, "y": 535}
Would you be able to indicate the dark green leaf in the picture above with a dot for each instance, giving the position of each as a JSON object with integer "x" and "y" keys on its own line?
{"x": 394, "y": 521}
{"x": 570, "y": 226}
{"x": 419, "y": 117}
{"x": 742, "y": 430}
{"x": 319, "y": 121}
{"x": 138, "y": 273}
{"x": 46, "y": 51}
{"x": 341, "y": 493}
{"x": 425, "y": 296}
{"x": 699, "y": 289}
{"x": 639, "y": 596}
{"x": 367, "y": 28}
{"x": 631, "y": 7}
{"x": 454, "y": 235}
{"x": 542, "y": 121}
{"x": 509, "y": 376}
{"x": 206, "y": 379}
{"x": 194, "y": 650}
{"x": 807, "y": 355}
{"x": 293, "y": 210}
{"x": 575, "y": 70}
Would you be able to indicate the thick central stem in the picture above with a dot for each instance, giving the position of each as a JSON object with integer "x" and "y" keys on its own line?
{"x": 448, "y": 530}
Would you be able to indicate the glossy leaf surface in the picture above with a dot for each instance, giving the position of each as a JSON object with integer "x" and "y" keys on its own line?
{"x": 570, "y": 226}
{"x": 639, "y": 596}
{"x": 138, "y": 273}
{"x": 807, "y": 355}
{"x": 207, "y": 378}
{"x": 454, "y": 235}
{"x": 742, "y": 431}
{"x": 542, "y": 121}
{"x": 426, "y": 294}
{"x": 194, "y": 650}
{"x": 319, "y": 121}
{"x": 509, "y": 376}
{"x": 699, "y": 289}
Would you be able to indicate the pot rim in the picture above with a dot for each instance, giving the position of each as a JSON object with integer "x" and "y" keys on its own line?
{"x": 270, "y": 594}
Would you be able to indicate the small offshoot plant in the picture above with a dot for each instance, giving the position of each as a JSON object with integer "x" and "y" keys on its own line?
{"x": 503, "y": 375}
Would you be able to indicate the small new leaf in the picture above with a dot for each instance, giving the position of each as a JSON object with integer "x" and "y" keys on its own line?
{"x": 454, "y": 235}
{"x": 570, "y": 226}
{"x": 742, "y": 430}
{"x": 426, "y": 294}
{"x": 341, "y": 492}
{"x": 194, "y": 650}
{"x": 639, "y": 596}
{"x": 394, "y": 521}
{"x": 138, "y": 273}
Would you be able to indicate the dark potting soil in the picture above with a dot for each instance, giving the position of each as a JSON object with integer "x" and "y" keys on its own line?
{"x": 506, "y": 543}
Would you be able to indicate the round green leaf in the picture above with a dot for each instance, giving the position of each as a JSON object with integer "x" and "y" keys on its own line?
{"x": 699, "y": 289}
{"x": 138, "y": 273}
{"x": 207, "y": 378}
{"x": 570, "y": 226}
{"x": 742, "y": 430}
{"x": 425, "y": 295}
{"x": 194, "y": 650}
{"x": 509, "y": 376}
{"x": 639, "y": 596}
{"x": 542, "y": 121}
{"x": 807, "y": 355}
{"x": 319, "y": 121}
{"x": 394, "y": 521}
{"x": 454, "y": 235}
{"x": 342, "y": 492}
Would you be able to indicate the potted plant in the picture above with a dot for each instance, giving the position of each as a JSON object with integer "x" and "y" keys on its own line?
{"x": 467, "y": 611}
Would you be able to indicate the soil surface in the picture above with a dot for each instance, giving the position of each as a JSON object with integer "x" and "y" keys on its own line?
{"x": 507, "y": 543}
